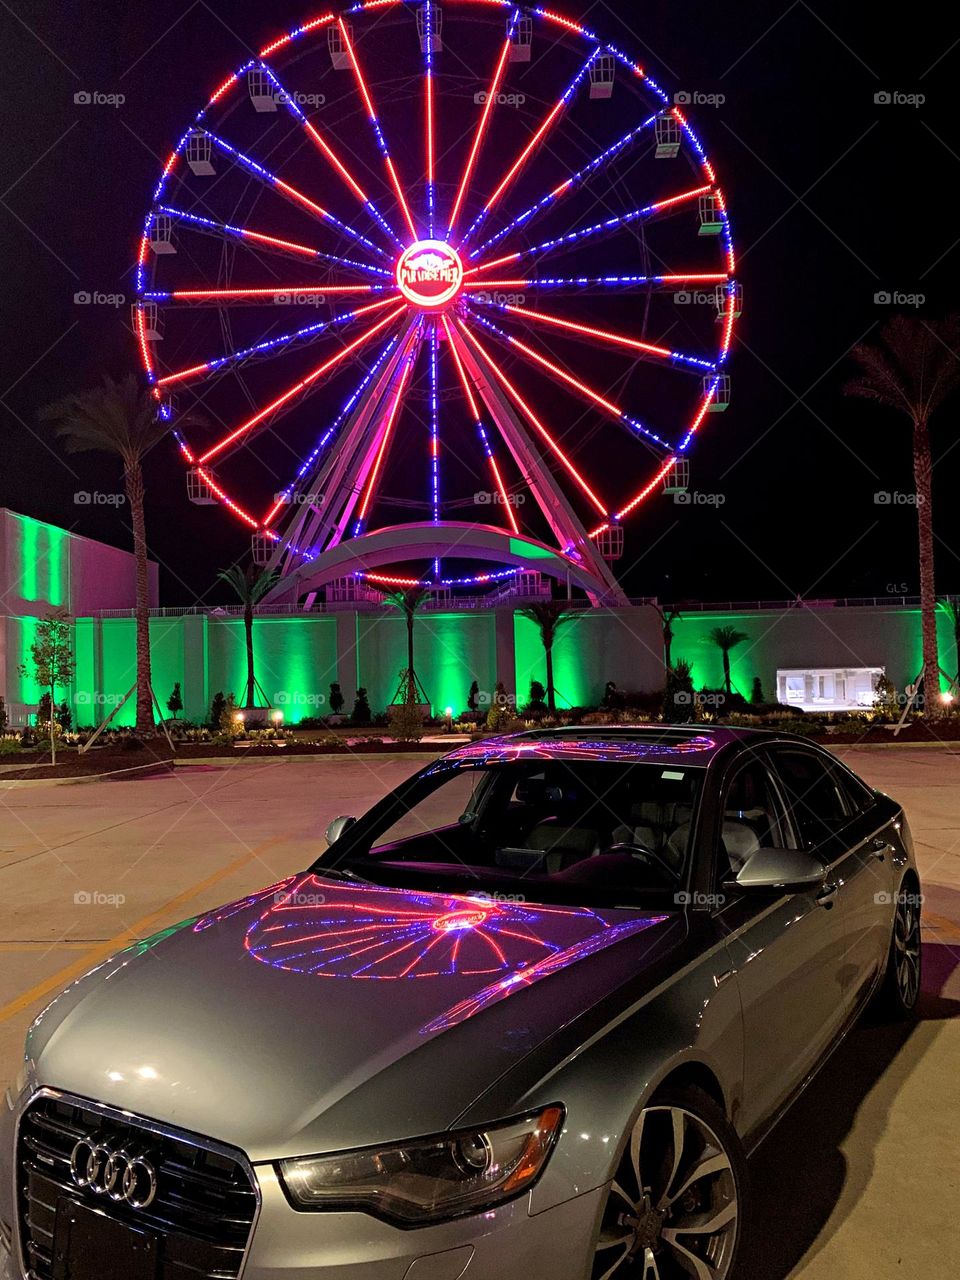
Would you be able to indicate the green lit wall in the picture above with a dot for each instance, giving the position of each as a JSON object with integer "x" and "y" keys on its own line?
{"x": 38, "y": 562}
{"x": 622, "y": 645}
{"x": 451, "y": 650}
{"x": 296, "y": 661}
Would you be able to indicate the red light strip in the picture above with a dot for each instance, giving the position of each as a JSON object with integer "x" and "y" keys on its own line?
{"x": 300, "y": 386}
{"x": 558, "y": 372}
{"x": 604, "y": 334}
{"x": 368, "y": 102}
{"x": 181, "y": 375}
{"x": 335, "y": 160}
{"x": 647, "y": 490}
{"x": 388, "y": 428}
{"x": 555, "y": 448}
{"x": 227, "y": 502}
{"x": 488, "y": 106}
{"x": 283, "y": 290}
{"x": 524, "y": 155}
{"x": 475, "y": 410}
{"x": 281, "y": 244}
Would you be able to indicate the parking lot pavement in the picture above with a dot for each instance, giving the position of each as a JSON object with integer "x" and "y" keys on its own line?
{"x": 861, "y": 1179}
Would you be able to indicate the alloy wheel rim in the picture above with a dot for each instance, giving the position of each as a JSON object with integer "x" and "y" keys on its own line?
{"x": 906, "y": 943}
{"x": 672, "y": 1212}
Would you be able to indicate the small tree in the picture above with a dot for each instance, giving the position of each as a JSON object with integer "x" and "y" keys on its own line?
{"x": 3, "y": 714}
{"x": 727, "y": 638}
{"x": 216, "y": 709}
{"x": 473, "y": 695}
{"x": 537, "y": 705}
{"x": 886, "y": 703}
{"x": 51, "y": 659}
{"x": 230, "y": 723}
{"x": 361, "y": 708}
{"x": 668, "y": 616}
{"x": 336, "y": 699}
{"x": 175, "y": 701}
{"x": 756, "y": 693}
{"x": 679, "y": 699}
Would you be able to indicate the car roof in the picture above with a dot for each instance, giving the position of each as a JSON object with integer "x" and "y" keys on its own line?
{"x": 694, "y": 744}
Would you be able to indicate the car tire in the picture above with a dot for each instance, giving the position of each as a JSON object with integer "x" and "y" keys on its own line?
{"x": 683, "y": 1168}
{"x": 899, "y": 991}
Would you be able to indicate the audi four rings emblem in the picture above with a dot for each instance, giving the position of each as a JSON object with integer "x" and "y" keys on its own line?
{"x": 116, "y": 1173}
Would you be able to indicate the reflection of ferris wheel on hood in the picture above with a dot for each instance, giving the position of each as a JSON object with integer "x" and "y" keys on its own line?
{"x": 455, "y": 282}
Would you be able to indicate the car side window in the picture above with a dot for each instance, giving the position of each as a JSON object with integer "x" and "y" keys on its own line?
{"x": 441, "y": 808}
{"x": 754, "y": 817}
{"x": 819, "y": 804}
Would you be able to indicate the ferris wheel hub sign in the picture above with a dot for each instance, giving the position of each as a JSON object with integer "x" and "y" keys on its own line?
{"x": 430, "y": 275}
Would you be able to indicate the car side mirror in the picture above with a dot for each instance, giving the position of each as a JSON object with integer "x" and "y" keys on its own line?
{"x": 789, "y": 870}
{"x": 337, "y": 827}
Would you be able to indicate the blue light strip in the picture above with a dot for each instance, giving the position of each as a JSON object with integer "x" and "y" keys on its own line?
{"x": 240, "y": 233}
{"x": 575, "y": 179}
{"x": 258, "y": 170}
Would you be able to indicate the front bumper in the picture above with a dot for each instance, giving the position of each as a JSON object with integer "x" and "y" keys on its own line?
{"x": 508, "y": 1241}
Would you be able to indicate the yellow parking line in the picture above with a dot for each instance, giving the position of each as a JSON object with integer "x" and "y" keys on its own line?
{"x": 141, "y": 929}
{"x": 945, "y": 930}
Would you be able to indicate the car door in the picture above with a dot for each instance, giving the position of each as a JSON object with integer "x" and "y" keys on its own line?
{"x": 823, "y": 800}
{"x": 784, "y": 948}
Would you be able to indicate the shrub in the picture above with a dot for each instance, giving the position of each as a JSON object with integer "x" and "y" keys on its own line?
{"x": 361, "y": 708}
{"x": 756, "y": 693}
{"x": 679, "y": 703}
{"x": 406, "y": 724}
{"x": 336, "y": 699}
{"x": 216, "y": 710}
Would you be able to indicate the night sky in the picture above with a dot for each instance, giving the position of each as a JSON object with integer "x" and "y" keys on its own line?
{"x": 836, "y": 198}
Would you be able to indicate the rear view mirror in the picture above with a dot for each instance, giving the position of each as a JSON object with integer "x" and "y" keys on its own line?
{"x": 791, "y": 870}
{"x": 337, "y": 827}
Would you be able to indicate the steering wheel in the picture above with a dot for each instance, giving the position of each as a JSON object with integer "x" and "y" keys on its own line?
{"x": 652, "y": 859}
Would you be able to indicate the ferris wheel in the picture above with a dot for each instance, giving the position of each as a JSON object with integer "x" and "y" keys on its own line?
{"x": 452, "y": 289}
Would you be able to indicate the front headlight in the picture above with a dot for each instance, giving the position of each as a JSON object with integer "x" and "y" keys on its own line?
{"x": 430, "y": 1179}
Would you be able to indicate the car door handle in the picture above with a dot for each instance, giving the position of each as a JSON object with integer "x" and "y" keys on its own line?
{"x": 881, "y": 848}
{"x": 827, "y": 894}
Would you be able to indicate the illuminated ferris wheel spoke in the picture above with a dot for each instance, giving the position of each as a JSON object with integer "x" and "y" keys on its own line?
{"x": 518, "y": 398}
{"x": 386, "y": 431}
{"x": 572, "y": 183}
{"x": 298, "y": 388}
{"x": 271, "y": 347}
{"x": 644, "y": 350}
{"x": 535, "y": 141}
{"x": 330, "y": 154}
{"x": 586, "y": 392}
{"x": 375, "y": 124}
{"x": 275, "y": 244}
{"x": 280, "y": 295}
{"x": 330, "y": 433}
{"x": 292, "y": 194}
{"x": 474, "y": 407}
{"x": 598, "y": 229}
{"x": 489, "y": 104}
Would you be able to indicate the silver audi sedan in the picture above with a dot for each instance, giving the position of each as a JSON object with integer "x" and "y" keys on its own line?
{"x": 522, "y": 1020}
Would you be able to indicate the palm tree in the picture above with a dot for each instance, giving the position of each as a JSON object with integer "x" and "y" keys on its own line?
{"x": 408, "y": 602}
{"x": 727, "y": 638}
{"x": 251, "y": 585}
{"x": 668, "y": 614}
{"x": 120, "y": 418}
{"x": 913, "y": 369}
{"x": 550, "y": 616}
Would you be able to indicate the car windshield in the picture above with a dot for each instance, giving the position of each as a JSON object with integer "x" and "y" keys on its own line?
{"x": 583, "y": 831}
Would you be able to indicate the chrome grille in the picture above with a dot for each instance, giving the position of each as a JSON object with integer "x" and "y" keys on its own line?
{"x": 204, "y": 1208}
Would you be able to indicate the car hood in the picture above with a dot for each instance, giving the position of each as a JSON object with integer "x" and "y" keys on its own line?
{"x": 318, "y": 1015}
